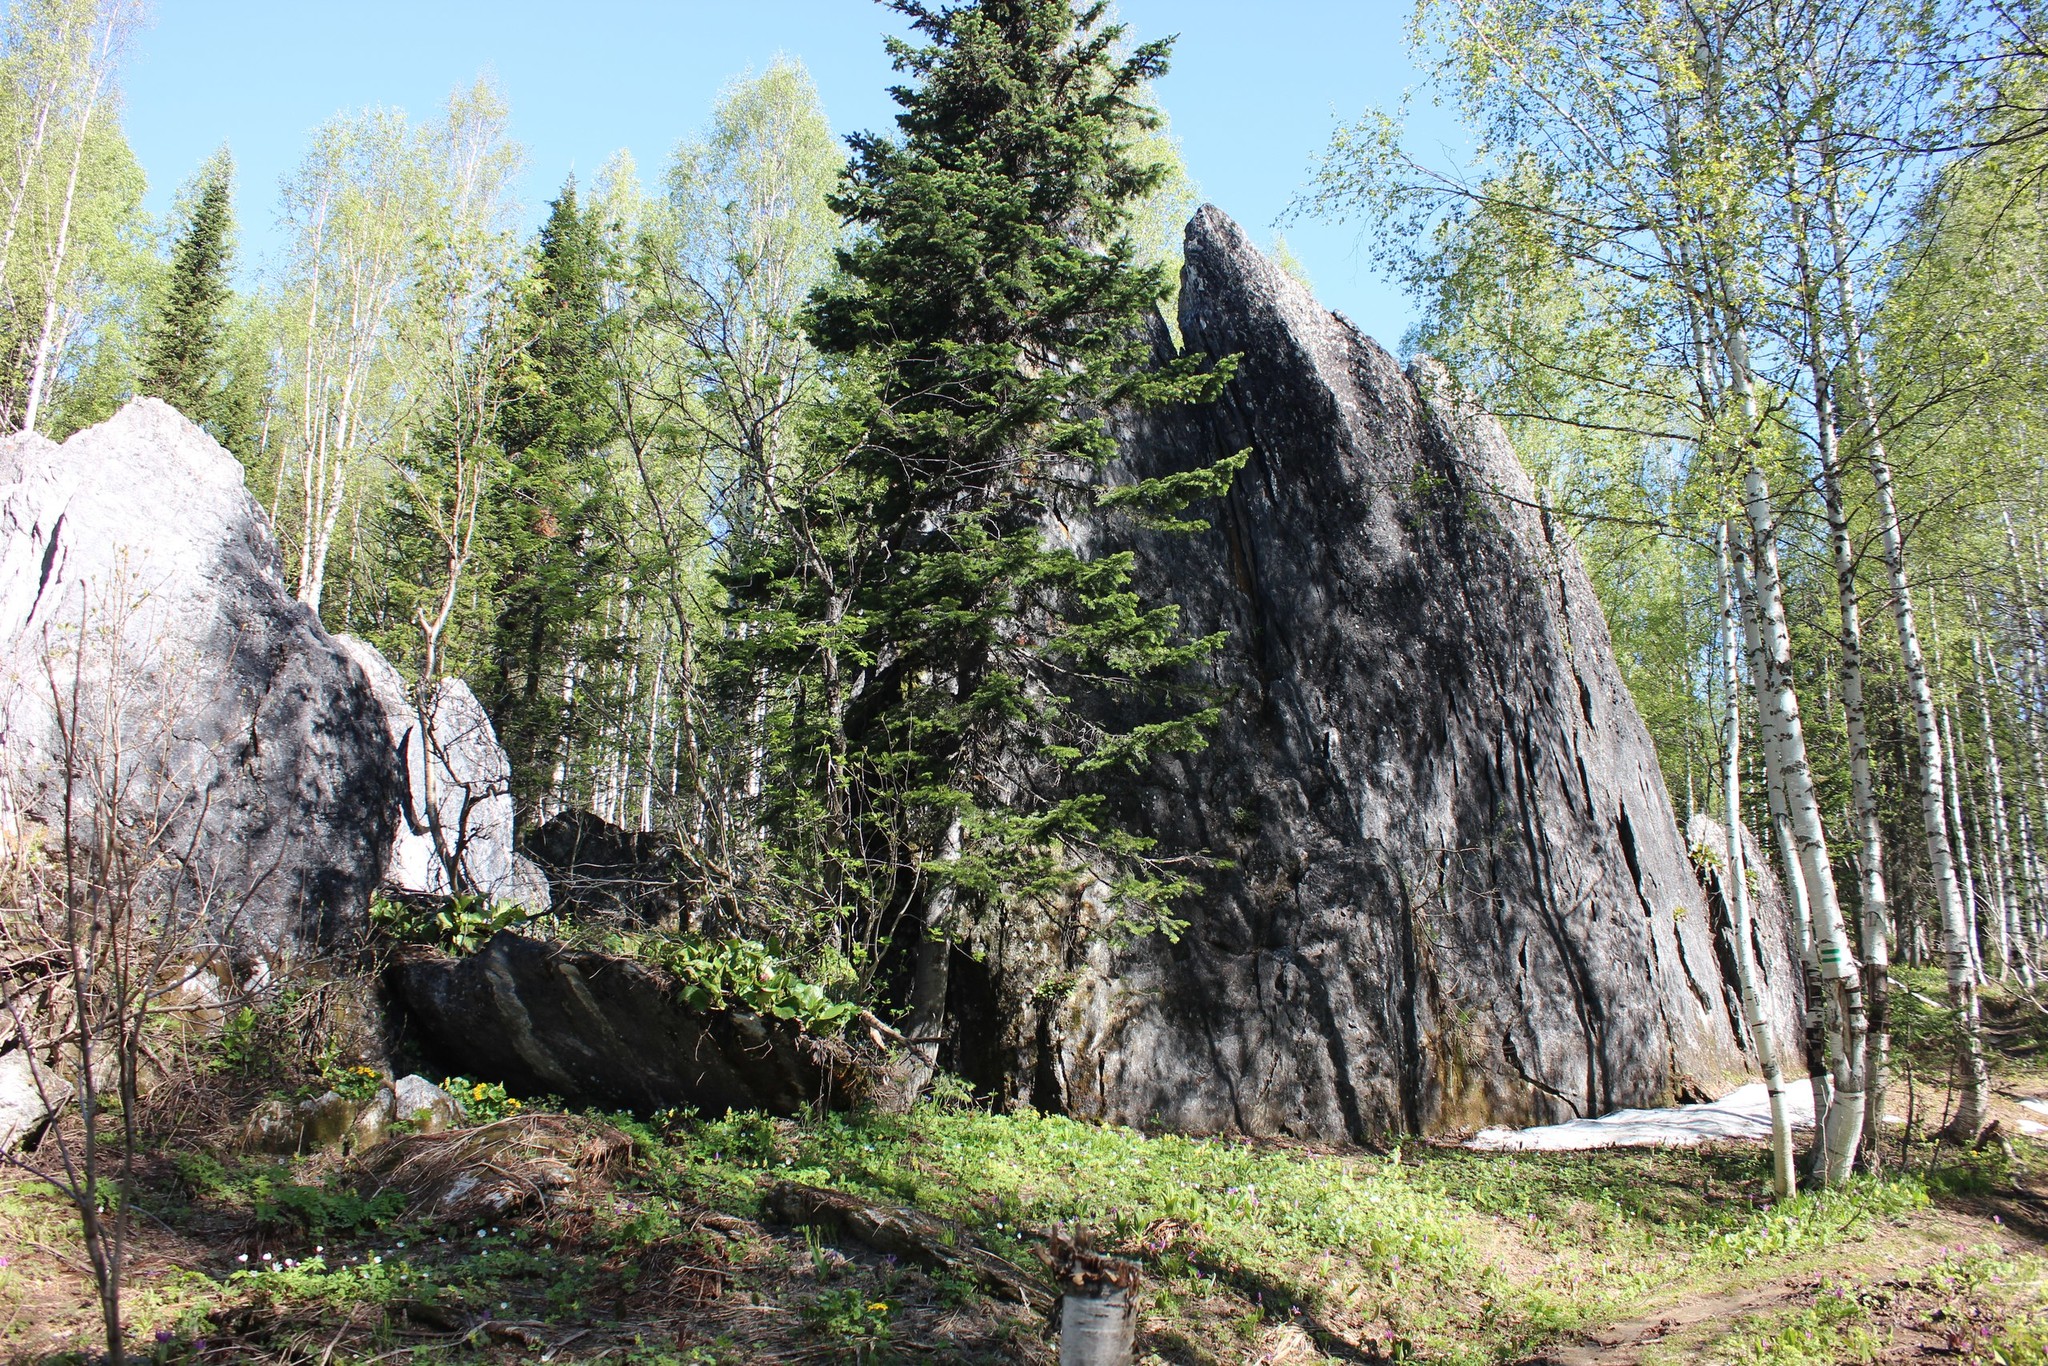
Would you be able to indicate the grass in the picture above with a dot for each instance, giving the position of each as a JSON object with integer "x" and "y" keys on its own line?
{"x": 1251, "y": 1252}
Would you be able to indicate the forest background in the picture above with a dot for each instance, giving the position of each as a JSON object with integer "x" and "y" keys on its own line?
{"x": 1756, "y": 288}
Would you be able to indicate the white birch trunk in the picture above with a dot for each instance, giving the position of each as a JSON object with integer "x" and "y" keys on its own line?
{"x": 2028, "y": 693}
{"x": 1843, "y": 1131}
{"x": 1964, "y": 878}
{"x": 1813, "y": 990}
{"x": 1784, "y": 1178}
{"x": 653, "y": 736}
{"x": 1962, "y": 984}
{"x": 53, "y": 293}
{"x": 1970, "y": 1109}
{"x": 2015, "y": 866}
{"x": 1873, "y": 919}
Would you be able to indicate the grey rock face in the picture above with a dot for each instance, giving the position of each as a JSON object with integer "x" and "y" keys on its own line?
{"x": 595, "y": 868}
{"x": 425, "y": 1106}
{"x": 29, "y": 1094}
{"x": 329, "y": 1122}
{"x": 1458, "y": 894}
{"x": 252, "y": 754}
{"x": 457, "y": 790}
{"x": 604, "y": 1031}
{"x": 1773, "y": 937}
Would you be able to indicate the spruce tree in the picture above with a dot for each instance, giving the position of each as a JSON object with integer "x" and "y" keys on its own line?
{"x": 945, "y": 732}
{"x": 547, "y": 519}
{"x": 187, "y": 362}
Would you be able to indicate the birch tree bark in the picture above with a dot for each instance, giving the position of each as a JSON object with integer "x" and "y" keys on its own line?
{"x": 1964, "y": 876}
{"x": 1874, "y": 908}
{"x": 1962, "y": 985}
{"x": 1784, "y": 1178}
{"x": 1819, "y": 1040}
{"x": 1841, "y": 1134}
{"x": 2029, "y": 693}
{"x": 2014, "y": 950}
{"x": 89, "y": 86}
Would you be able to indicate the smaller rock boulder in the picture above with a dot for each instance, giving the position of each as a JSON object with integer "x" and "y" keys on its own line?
{"x": 29, "y": 1095}
{"x": 457, "y": 802}
{"x": 325, "y": 1121}
{"x": 372, "y": 1124}
{"x": 274, "y": 1127}
{"x": 597, "y": 869}
{"x": 425, "y": 1106}
{"x": 330, "y": 1122}
{"x": 609, "y": 1032}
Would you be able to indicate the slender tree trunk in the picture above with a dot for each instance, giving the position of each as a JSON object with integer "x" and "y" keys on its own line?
{"x": 1964, "y": 876}
{"x": 1874, "y": 910}
{"x": 1998, "y": 943}
{"x": 2028, "y": 691}
{"x": 1813, "y": 990}
{"x": 1962, "y": 984}
{"x": 653, "y": 735}
{"x": 39, "y": 372}
{"x": 1784, "y": 1178}
{"x": 1971, "y": 1106}
{"x": 2013, "y": 947}
{"x": 1843, "y": 1131}
{"x": 925, "y": 1023}
{"x": 31, "y": 156}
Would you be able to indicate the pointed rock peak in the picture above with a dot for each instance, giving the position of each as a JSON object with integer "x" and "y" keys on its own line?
{"x": 152, "y": 429}
{"x": 1223, "y": 257}
{"x": 1293, "y": 352}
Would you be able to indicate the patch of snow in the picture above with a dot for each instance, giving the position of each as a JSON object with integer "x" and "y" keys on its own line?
{"x": 2039, "y": 1107}
{"x": 1743, "y": 1113}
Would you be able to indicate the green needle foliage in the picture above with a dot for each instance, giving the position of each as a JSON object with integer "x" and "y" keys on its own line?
{"x": 191, "y": 361}
{"x": 941, "y": 632}
{"x": 549, "y": 512}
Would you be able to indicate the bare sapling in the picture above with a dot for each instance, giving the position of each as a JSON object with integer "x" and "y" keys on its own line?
{"x": 107, "y": 917}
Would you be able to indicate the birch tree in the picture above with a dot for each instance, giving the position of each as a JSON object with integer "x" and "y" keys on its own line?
{"x": 70, "y": 223}
{"x": 92, "y": 40}
{"x": 1784, "y": 1178}
{"x": 353, "y": 210}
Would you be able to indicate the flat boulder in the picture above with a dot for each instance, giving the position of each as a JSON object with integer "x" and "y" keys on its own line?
{"x": 606, "y": 1031}
{"x": 31, "y": 1095}
{"x": 143, "y": 597}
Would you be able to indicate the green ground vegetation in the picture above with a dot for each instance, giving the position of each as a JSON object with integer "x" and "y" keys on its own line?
{"x": 1251, "y": 1251}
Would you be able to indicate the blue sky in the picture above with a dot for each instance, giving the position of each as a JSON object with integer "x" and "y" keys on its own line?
{"x": 1254, "y": 92}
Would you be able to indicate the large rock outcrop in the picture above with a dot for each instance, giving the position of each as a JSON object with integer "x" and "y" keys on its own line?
{"x": 1456, "y": 894}
{"x": 248, "y": 751}
{"x": 1774, "y": 940}
{"x": 457, "y": 799}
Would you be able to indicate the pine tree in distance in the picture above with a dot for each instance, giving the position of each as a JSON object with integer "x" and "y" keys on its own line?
{"x": 989, "y": 314}
{"x": 186, "y": 362}
{"x": 545, "y": 512}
